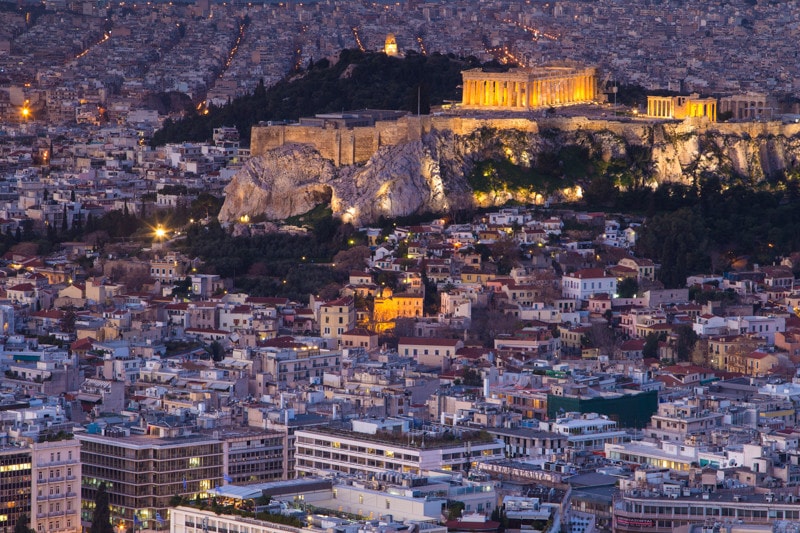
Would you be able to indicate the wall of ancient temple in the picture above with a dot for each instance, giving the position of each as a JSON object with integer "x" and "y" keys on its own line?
{"x": 681, "y": 107}
{"x": 524, "y": 89}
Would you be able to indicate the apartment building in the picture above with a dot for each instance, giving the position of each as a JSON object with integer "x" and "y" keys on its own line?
{"x": 15, "y": 491}
{"x": 323, "y": 449}
{"x": 142, "y": 473}
{"x": 586, "y": 431}
{"x": 55, "y": 486}
{"x": 253, "y": 456}
{"x": 336, "y": 317}
{"x": 677, "y": 421}
{"x": 585, "y": 283}
{"x": 298, "y": 364}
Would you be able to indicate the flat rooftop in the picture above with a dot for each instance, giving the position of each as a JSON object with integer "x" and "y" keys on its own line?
{"x": 409, "y": 440}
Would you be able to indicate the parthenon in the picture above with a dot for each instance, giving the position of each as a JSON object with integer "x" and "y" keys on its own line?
{"x": 521, "y": 89}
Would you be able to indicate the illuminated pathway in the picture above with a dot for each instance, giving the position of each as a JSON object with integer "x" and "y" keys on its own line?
{"x": 106, "y": 36}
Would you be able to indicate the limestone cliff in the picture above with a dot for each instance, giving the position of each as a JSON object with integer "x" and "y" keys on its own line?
{"x": 428, "y": 171}
{"x": 289, "y": 180}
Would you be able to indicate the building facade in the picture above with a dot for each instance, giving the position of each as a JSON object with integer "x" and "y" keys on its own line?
{"x": 323, "y": 449}
{"x": 748, "y": 106}
{"x": 528, "y": 88}
{"x": 15, "y": 489}
{"x": 584, "y": 284}
{"x": 336, "y": 317}
{"x": 681, "y": 107}
{"x": 142, "y": 473}
{"x": 636, "y": 510}
{"x": 253, "y": 456}
{"x": 55, "y": 486}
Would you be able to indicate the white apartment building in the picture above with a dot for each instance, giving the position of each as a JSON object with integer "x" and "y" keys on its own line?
{"x": 585, "y": 432}
{"x": 193, "y": 520}
{"x": 763, "y": 326}
{"x": 583, "y": 284}
{"x": 323, "y": 449}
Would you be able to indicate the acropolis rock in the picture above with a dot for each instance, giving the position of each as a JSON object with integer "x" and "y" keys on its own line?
{"x": 421, "y": 164}
{"x": 287, "y": 181}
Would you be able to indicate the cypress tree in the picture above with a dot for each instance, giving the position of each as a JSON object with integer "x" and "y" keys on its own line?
{"x": 101, "y": 520}
{"x": 22, "y": 525}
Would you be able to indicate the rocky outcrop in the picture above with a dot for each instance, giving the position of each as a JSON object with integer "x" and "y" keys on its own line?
{"x": 429, "y": 174}
{"x": 748, "y": 151}
{"x": 290, "y": 180}
{"x": 397, "y": 181}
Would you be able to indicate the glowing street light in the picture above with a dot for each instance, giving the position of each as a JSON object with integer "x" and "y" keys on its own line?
{"x": 159, "y": 233}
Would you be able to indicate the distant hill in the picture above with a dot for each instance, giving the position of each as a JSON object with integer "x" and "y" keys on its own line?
{"x": 358, "y": 80}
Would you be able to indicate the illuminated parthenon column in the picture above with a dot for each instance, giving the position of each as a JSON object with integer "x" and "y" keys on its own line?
{"x": 522, "y": 89}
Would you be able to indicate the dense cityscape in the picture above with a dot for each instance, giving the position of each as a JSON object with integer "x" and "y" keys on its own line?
{"x": 550, "y": 287}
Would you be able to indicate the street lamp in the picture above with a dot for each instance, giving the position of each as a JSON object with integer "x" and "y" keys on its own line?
{"x": 159, "y": 233}
{"x": 614, "y": 90}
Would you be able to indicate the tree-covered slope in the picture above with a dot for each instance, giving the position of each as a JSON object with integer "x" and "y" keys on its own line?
{"x": 358, "y": 80}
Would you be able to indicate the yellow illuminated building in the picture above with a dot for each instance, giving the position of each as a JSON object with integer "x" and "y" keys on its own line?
{"x": 390, "y": 46}
{"x": 681, "y": 107}
{"x": 528, "y": 88}
{"x": 389, "y": 306}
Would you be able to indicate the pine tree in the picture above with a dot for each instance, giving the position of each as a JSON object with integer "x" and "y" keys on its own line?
{"x": 101, "y": 520}
{"x": 64, "y": 219}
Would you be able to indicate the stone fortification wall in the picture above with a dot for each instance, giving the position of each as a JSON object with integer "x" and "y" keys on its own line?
{"x": 355, "y": 146}
{"x": 351, "y": 146}
{"x": 342, "y": 146}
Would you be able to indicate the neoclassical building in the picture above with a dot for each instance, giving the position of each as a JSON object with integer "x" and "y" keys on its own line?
{"x": 522, "y": 89}
{"x": 681, "y": 107}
